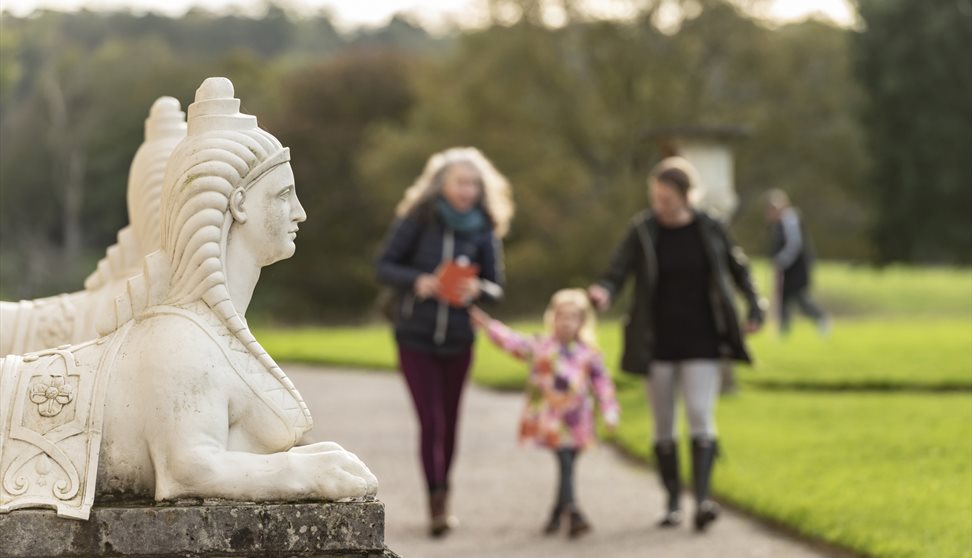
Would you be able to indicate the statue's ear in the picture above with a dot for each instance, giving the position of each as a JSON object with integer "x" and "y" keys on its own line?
{"x": 237, "y": 198}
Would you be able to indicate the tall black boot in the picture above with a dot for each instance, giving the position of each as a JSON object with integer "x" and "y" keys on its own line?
{"x": 666, "y": 453}
{"x": 704, "y": 451}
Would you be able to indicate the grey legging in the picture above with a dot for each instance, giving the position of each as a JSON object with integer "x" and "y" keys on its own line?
{"x": 699, "y": 380}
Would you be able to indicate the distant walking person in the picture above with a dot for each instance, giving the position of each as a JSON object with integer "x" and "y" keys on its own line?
{"x": 455, "y": 213}
{"x": 567, "y": 373}
{"x": 682, "y": 322}
{"x": 792, "y": 262}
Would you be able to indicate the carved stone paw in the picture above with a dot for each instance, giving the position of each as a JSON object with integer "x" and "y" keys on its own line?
{"x": 317, "y": 447}
{"x": 340, "y": 474}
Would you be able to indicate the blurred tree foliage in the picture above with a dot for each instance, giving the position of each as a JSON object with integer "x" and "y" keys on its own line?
{"x": 75, "y": 89}
{"x": 327, "y": 111}
{"x": 913, "y": 60}
{"x": 562, "y": 110}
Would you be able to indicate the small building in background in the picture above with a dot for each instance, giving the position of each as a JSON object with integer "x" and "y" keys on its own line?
{"x": 709, "y": 149}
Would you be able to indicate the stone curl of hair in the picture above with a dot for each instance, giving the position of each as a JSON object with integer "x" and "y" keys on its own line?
{"x": 145, "y": 193}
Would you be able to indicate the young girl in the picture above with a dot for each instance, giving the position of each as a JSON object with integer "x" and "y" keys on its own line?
{"x": 566, "y": 367}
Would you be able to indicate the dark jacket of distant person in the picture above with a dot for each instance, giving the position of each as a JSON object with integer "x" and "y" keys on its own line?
{"x": 790, "y": 251}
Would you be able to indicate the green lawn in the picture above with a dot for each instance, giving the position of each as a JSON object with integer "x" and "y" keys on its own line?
{"x": 895, "y": 291}
{"x": 863, "y": 353}
{"x": 355, "y": 347}
{"x": 885, "y": 474}
{"x": 923, "y": 353}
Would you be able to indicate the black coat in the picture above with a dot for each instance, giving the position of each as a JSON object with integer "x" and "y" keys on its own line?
{"x": 417, "y": 245}
{"x": 636, "y": 254}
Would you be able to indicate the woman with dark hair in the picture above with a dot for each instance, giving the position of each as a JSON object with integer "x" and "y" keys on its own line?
{"x": 682, "y": 321}
{"x": 456, "y": 212}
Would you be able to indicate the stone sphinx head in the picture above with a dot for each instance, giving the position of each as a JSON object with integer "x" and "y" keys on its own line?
{"x": 229, "y": 202}
{"x": 228, "y": 208}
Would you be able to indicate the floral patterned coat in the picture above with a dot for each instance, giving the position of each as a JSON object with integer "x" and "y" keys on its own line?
{"x": 559, "y": 411}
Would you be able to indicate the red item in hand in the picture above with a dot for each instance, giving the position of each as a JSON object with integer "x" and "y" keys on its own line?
{"x": 452, "y": 276}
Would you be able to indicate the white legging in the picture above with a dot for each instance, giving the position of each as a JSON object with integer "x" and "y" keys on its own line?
{"x": 700, "y": 383}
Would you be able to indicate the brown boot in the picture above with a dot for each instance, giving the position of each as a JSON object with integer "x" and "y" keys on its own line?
{"x": 577, "y": 523}
{"x": 440, "y": 520}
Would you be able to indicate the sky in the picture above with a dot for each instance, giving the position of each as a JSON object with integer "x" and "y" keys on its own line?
{"x": 434, "y": 13}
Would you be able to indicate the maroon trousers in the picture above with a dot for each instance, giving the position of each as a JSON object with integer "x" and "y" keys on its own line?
{"x": 436, "y": 383}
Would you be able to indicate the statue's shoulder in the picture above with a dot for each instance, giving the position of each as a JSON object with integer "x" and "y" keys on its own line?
{"x": 170, "y": 335}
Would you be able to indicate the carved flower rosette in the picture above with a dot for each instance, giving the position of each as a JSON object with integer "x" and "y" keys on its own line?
{"x": 51, "y": 395}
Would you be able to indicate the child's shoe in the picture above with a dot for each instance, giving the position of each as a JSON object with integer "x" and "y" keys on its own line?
{"x": 578, "y": 524}
{"x": 553, "y": 525}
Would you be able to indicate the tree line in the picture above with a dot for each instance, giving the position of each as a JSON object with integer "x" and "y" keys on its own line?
{"x": 868, "y": 130}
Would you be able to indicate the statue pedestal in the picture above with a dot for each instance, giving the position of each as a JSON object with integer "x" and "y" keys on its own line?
{"x": 196, "y": 528}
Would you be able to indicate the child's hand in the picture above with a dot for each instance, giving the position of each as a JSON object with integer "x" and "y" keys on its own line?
{"x": 611, "y": 422}
{"x": 479, "y": 318}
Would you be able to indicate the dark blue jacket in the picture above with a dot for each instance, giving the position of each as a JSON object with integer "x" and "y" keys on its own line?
{"x": 418, "y": 245}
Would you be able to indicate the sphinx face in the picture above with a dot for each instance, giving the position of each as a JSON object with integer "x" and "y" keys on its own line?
{"x": 273, "y": 214}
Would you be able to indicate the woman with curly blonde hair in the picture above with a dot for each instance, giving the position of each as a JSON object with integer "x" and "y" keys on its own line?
{"x": 455, "y": 213}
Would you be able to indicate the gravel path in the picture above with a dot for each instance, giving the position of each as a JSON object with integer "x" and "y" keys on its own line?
{"x": 501, "y": 492}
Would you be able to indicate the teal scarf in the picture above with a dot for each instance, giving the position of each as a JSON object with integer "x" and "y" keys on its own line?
{"x": 470, "y": 221}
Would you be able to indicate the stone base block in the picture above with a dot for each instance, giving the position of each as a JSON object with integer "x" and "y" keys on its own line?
{"x": 201, "y": 529}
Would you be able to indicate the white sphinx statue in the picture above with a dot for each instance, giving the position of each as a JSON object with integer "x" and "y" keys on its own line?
{"x": 31, "y": 325}
{"x": 178, "y": 399}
